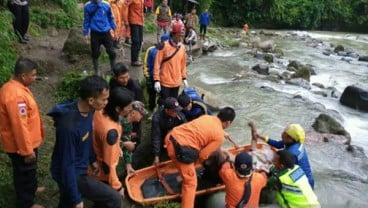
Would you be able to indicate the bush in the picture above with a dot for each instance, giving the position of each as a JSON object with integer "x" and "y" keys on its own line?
{"x": 8, "y": 53}
{"x": 68, "y": 88}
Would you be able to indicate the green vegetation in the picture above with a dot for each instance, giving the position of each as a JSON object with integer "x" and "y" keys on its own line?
{"x": 296, "y": 14}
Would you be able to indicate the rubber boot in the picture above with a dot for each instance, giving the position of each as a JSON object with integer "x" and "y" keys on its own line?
{"x": 96, "y": 68}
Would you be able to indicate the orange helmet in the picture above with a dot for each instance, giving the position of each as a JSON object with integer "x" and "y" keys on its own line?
{"x": 177, "y": 28}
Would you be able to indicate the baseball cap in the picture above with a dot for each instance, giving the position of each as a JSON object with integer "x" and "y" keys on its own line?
{"x": 243, "y": 163}
{"x": 172, "y": 104}
{"x": 139, "y": 106}
{"x": 296, "y": 132}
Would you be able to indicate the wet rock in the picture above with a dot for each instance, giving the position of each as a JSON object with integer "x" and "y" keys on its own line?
{"x": 265, "y": 46}
{"x": 311, "y": 68}
{"x": 268, "y": 58}
{"x": 318, "y": 85}
{"x": 74, "y": 47}
{"x": 299, "y": 82}
{"x": 303, "y": 72}
{"x": 295, "y": 64}
{"x": 286, "y": 75}
{"x": 335, "y": 93}
{"x": 355, "y": 97}
{"x": 279, "y": 53}
{"x": 339, "y": 48}
{"x": 327, "y": 124}
{"x": 353, "y": 55}
{"x": 318, "y": 137}
{"x": 342, "y": 53}
{"x": 322, "y": 93}
{"x": 291, "y": 68}
{"x": 348, "y": 60}
{"x": 363, "y": 58}
{"x": 261, "y": 69}
{"x": 326, "y": 52}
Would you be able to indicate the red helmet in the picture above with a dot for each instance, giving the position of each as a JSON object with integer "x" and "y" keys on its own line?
{"x": 177, "y": 28}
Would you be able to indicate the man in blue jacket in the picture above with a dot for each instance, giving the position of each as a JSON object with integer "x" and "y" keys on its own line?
{"x": 204, "y": 21}
{"x": 73, "y": 150}
{"x": 99, "y": 21}
{"x": 293, "y": 138}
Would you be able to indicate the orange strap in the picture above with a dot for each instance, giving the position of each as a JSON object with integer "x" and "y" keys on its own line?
{"x": 163, "y": 181}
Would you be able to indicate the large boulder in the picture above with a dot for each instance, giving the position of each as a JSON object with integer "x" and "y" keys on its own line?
{"x": 363, "y": 58}
{"x": 74, "y": 47}
{"x": 327, "y": 124}
{"x": 355, "y": 97}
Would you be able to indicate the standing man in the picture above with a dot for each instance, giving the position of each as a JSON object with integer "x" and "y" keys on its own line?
{"x": 99, "y": 21}
{"x": 136, "y": 21}
{"x": 163, "y": 18}
{"x": 149, "y": 63}
{"x": 195, "y": 142}
{"x": 73, "y": 150}
{"x": 170, "y": 65}
{"x": 204, "y": 21}
{"x": 20, "y": 10}
{"x": 21, "y": 131}
{"x": 191, "y": 19}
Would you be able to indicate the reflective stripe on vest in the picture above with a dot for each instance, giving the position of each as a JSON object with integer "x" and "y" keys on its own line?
{"x": 295, "y": 190}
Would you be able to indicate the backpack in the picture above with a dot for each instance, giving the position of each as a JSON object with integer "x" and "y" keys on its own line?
{"x": 193, "y": 94}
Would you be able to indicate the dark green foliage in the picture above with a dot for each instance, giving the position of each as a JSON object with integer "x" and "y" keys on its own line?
{"x": 7, "y": 38}
{"x": 295, "y": 14}
{"x": 68, "y": 88}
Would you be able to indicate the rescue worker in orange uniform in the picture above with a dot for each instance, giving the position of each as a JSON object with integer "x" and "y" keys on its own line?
{"x": 107, "y": 132}
{"x": 116, "y": 12}
{"x": 136, "y": 22}
{"x": 170, "y": 65}
{"x": 21, "y": 130}
{"x": 240, "y": 178}
{"x": 125, "y": 23}
{"x": 195, "y": 142}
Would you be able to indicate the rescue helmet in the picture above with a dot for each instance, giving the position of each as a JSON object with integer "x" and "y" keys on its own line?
{"x": 177, "y": 28}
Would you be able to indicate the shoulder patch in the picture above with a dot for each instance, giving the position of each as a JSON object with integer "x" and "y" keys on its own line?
{"x": 112, "y": 136}
{"x": 22, "y": 109}
{"x": 296, "y": 174}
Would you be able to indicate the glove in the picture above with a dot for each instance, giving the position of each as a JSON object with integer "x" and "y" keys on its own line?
{"x": 186, "y": 85}
{"x": 157, "y": 87}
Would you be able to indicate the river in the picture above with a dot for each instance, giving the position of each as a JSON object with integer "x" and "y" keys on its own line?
{"x": 341, "y": 177}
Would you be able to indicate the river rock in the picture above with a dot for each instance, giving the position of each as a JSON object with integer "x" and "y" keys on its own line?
{"x": 296, "y": 64}
{"x": 299, "y": 82}
{"x": 302, "y": 72}
{"x": 318, "y": 85}
{"x": 74, "y": 47}
{"x": 315, "y": 137}
{"x": 261, "y": 69}
{"x": 322, "y": 93}
{"x": 355, "y": 97}
{"x": 326, "y": 52}
{"x": 326, "y": 124}
{"x": 339, "y": 48}
{"x": 268, "y": 58}
{"x": 279, "y": 52}
{"x": 352, "y": 54}
{"x": 363, "y": 58}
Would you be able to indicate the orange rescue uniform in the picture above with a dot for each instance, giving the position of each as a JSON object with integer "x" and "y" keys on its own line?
{"x": 124, "y": 18}
{"x": 135, "y": 12}
{"x": 170, "y": 73}
{"x": 205, "y": 134}
{"x": 20, "y": 121}
{"x": 106, "y": 144}
{"x": 115, "y": 8}
{"x": 234, "y": 186}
